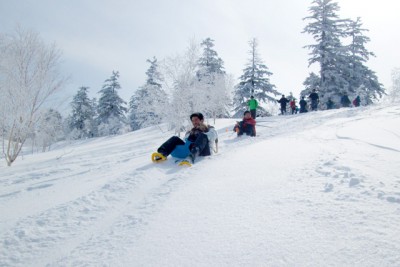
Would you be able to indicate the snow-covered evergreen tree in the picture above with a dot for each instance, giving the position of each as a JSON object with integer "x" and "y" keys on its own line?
{"x": 148, "y": 105}
{"x": 213, "y": 98}
{"x": 312, "y": 82}
{"x": 209, "y": 62}
{"x": 254, "y": 81}
{"x": 327, "y": 29}
{"x": 362, "y": 80}
{"x": 111, "y": 110}
{"x": 82, "y": 121}
{"x": 342, "y": 67}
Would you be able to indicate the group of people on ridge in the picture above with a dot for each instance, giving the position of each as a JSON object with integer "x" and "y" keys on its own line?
{"x": 314, "y": 99}
{"x": 344, "y": 102}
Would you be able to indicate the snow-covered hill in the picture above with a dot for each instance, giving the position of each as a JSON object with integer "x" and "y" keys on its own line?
{"x": 316, "y": 189}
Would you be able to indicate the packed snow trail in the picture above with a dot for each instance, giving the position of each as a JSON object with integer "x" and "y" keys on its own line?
{"x": 321, "y": 188}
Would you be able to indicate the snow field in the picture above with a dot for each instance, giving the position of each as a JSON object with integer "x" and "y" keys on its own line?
{"x": 316, "y": 189}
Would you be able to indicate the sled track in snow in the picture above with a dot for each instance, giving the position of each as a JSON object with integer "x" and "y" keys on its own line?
{"x": 111, "y": 225}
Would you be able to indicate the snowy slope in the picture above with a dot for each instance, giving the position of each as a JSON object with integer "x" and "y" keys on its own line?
{"x": 317, "y": 189}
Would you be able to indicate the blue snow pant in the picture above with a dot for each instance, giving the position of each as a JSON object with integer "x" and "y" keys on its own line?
{"x": 178, "y": 148}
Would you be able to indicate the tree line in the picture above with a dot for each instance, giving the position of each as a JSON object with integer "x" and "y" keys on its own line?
{"x": 174, "y": 87}
{"x": 340, "y": 52}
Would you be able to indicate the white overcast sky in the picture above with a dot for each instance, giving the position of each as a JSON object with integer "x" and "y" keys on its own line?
{"x": 97, "y": 37}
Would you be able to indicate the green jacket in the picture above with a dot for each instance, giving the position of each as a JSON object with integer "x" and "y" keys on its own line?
{"x": 252, "y": 103}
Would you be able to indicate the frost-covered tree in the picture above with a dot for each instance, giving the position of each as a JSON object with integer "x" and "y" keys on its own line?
{"x": 327, "y": 30}
{"x": 394, "y": 94}
{"x": 49, "y": 129}
{"x": 196, "y": 86}
{"x": 213, "y": 84}
{"x": 149, "y": 103}
{"x": 362, "y": 81}
{"x": 110, "y": 109}
{"x": 342, "y": 67}
{"x": 82, "y": 121}
{"x": 216, "y": 98}
{"x": 254, "y": 81}
{"x": 312, "y": 82}
{"x": 29, "y": 75}
{"x": 210, "y": 64}
{"x": 181, "y": 80}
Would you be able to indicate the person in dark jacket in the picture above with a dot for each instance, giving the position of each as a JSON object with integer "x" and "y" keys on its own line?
{"x": 330, "y": 104}
{"x": 246, "y": 126}
{"x": 314, "y": 99}
{"x": 303, "y": 105}
{"x": 283, "y": 101}
{"x": 345, "y": 101}
{"x": 196, "y": 142}
{"x": 357, "y": 101}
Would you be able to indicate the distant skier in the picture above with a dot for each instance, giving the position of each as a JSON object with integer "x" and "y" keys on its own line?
{"x": 197, "y": 142}
{"x": 253, "y": 104}
{"x": 283, "y": 101}
{"x": 357, "y": 101}
{"x": 314, "y": 100}
{"x": 246, "y": 126}
{"x": 303, "y": 105}
{"x": 345, "y": 101}
{"x": 292, "y": 105}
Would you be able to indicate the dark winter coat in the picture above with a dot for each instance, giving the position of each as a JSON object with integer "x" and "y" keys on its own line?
{"x": 314, "y": 100}
{"x": 303, "y": 105}
{"x": 330, "y": 104}
{"x": 345, "y": 101}
{"x": 314, "y": 96}
{"x": 283, "y": 101}
{"x": 202, "y": 137}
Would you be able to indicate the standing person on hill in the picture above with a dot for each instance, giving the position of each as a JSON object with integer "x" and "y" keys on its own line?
{"x": 196, "y": 143}
{"x": 247, "y": 125}
{"x": 292, "y": 105}
{"x": 357, "y": 101}
{"x": 303, "y": 105}
{"x": 345, "y": 101}
{"x": 283, "y": 101}
{"x": 314, "y": 100}
{"x": 253, "y": 104}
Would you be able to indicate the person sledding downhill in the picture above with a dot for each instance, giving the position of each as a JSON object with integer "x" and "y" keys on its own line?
{"x": 246, "y": 126}
{"x": 197, "y": 142}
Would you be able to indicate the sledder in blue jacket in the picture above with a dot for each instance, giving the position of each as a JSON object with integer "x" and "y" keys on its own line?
{"x": 197, "y": 141}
